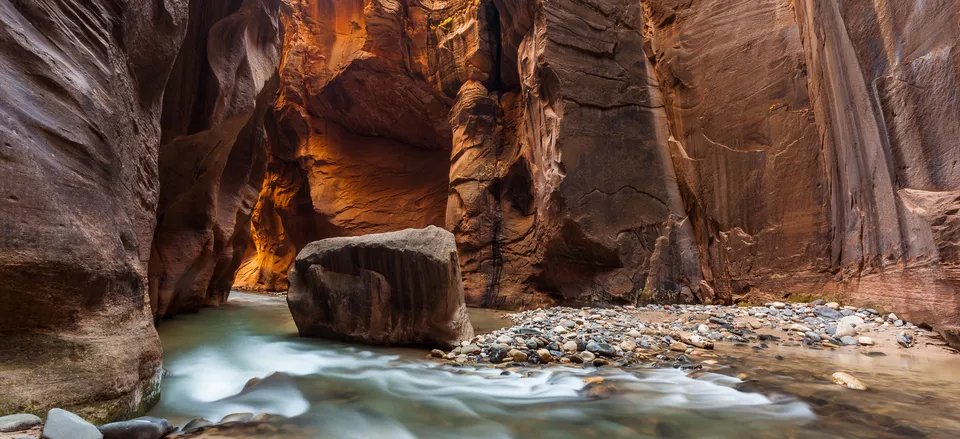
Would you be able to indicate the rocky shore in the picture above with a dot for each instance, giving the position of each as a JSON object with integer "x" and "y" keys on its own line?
{"x": 682, "y": 335}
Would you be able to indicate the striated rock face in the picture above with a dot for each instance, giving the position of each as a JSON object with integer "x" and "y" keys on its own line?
{"x": 622, "y": 151}
{"x": 477, "y": 116}
{"x": 213, "y": 151}
{"x": 388, "y": 288}
{"x": 81, "y": 84}
{"x": 885, "y": 85}
{"x": 833, "y": 170}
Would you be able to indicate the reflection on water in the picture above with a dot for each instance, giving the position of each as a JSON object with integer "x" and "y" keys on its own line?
{"x": 345, "y": 391}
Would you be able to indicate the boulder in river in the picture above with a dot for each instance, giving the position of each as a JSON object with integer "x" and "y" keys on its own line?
{"x": 397, "y": 288}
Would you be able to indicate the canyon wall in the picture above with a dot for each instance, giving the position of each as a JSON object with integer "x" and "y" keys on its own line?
{"x": 81, "y": 88}
{"x": 628, "y": 151}
{"x": 134, "y": 150}
{"x": 213, "y": 151}
{"x": 494, "y": 119}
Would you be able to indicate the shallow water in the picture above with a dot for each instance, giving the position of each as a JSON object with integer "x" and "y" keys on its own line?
{"x": 348, "y": 391}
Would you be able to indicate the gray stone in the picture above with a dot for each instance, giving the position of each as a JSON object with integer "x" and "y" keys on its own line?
{"x": 497, "y": 355}
{"x": 62, "y": 424}
{"x": 848, "y": 341}
{"x": 19, "y": 422}
{"x": 827, "y": 313}
{"x": 140, "y": 428}
{"x": 237, "y": 417}
{"x": 196, "y": 424}
{"x": 813, "y": 336}
{"x": 601, "y": 349}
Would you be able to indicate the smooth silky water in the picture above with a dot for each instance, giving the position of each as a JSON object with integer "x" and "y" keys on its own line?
{"x": 338, "y": 390}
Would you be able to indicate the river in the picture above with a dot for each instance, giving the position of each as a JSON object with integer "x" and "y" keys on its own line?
{"x": 335, "y": 390}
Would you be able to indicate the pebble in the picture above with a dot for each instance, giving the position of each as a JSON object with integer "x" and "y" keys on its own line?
{"x": 544, "y": 356}
{"x": 849, "y": 381}
{"x": 518, "y": 355}
{"x": 796, "y": 327}
{"x": 865, "y": 341}
{"x": 496, "y": 355}
{"x": 18, "y": 422}
{"x": 845, "y": 330}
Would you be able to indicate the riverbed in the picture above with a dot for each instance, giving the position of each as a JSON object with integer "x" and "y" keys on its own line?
{"x": 334, "y": 390}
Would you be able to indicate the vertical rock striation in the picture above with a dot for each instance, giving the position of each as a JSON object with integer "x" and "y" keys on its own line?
{"x": 833, "y": 169}
{"x": 885, "y": 84}
{"x": 81, "y": 85}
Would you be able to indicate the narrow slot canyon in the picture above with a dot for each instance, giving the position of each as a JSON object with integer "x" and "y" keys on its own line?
{"x": 176, "y": 165}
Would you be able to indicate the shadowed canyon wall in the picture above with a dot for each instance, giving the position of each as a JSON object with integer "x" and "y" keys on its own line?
{"x": 213, "y": 151}
{"x": 622, "y": 151}
{"x": 133, "y": 150}
{"x": 81, "y": 88}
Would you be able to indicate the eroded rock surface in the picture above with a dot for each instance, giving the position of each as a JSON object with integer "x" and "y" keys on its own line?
{"x": 390, "y": 288}
{"x": 81, "y": 84}
{"x": 623, "y": 152}
{"x": 213, "y": 152}
{"x": 479, "y": 117}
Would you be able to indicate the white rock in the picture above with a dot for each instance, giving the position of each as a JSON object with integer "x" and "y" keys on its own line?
{"x": 893, "y": 317}
{"x": 851, "y": 320}
{"x": 845, "y": 330}
{"x": 798, "y": 328}
{"x": 703, "y": 329}
{"x": 570, "y": 346}
{"x": 778, "y": 305}
{"x": 833, "y": 305}
{"x": 865, "y": 341}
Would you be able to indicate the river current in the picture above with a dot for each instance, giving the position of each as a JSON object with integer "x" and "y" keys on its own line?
{"x": 335, "y": 390}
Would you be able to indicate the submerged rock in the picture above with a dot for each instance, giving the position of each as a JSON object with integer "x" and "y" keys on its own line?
{"x": 398, "y": 288}
{"x": 62, "y": 424}
{"x": 849, "y": 381}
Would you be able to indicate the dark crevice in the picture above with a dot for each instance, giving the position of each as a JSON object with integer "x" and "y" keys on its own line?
{"x": 492, "y": 16}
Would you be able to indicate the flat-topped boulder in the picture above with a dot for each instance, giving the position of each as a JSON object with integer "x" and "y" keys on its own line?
{"x": 397, "y": 288}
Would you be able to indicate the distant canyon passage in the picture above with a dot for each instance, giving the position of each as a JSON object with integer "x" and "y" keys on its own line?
{"x": 617, "y": 151}
{"x": 157, "y": 153}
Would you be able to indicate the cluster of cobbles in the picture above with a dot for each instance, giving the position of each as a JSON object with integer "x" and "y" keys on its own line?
{"x": 627, "y": 336}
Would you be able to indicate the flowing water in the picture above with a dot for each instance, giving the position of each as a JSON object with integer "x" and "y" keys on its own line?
{"x": 334, "y": 390}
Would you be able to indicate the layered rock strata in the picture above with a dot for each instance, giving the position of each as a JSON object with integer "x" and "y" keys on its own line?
{"x": 388, "y": 288}
{"x": 82, "y": 86}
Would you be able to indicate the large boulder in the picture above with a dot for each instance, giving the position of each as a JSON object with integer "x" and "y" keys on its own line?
{"x": 398, "y": 288}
